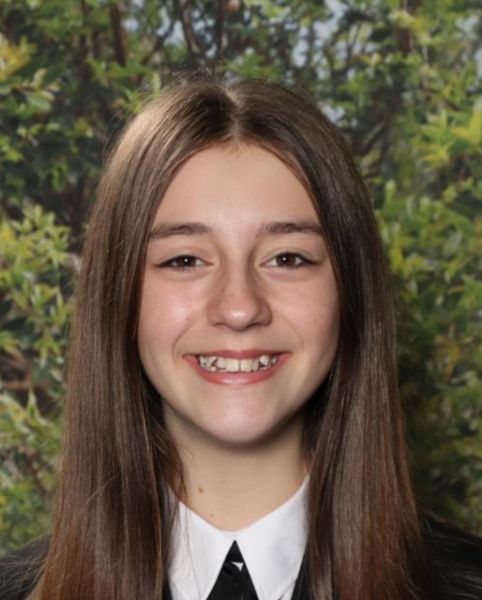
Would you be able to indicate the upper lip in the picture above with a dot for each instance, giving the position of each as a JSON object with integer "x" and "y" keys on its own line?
{"x": 239, "y": 354}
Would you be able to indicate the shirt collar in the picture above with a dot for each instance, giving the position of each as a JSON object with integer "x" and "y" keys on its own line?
{"x": 272, "y": 547}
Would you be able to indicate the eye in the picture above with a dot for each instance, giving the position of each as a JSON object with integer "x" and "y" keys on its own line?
{"x": 291, "y": 260}
{"x": 182, "y": 262}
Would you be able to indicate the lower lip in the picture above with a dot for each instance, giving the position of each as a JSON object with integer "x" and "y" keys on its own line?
{"x": 240, "y": 378}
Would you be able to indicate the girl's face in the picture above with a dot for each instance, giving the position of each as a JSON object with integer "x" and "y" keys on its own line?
{"x": 239, "y": 313}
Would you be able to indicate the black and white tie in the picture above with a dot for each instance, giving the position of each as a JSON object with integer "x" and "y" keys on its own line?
{"x": 233, "y": 582}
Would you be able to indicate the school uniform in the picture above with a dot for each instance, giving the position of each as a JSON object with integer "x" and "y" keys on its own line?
{"x": 271, "y": 550}
{"x": 271, "y": 555}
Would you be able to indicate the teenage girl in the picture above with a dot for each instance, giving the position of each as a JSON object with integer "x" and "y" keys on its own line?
{"x": 233, "y": 427}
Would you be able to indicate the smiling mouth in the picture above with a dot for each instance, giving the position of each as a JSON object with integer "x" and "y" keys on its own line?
{"x": 221, "y": 364}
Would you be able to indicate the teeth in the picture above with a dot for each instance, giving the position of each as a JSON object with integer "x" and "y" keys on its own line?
{"x": 245, "y": 365}
{"x": 209, "y": 360}
{"x": 264, "y": 360}
{"x": 221, "y": 363}
{"x": 233, "y": 365}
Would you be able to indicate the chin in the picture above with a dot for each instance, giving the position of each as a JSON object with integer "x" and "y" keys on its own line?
{"x": 248, "y": 435}
{"x": 241, "y": 441}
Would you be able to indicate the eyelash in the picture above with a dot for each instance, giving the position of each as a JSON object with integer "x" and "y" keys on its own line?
{"x": 169, "y": 264}
{"x": 298, "y": 257}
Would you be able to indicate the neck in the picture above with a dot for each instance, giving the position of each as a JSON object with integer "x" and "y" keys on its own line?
{"x": 233, "y": 487}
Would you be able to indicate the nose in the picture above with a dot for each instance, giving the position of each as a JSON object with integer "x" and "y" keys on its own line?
{"x": 238, "y": 301}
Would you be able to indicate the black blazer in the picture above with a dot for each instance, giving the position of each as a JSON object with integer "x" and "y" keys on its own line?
{"x": 455, "y": 559}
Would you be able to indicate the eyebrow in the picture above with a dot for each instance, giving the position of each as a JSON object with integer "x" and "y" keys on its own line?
{"x": 166, "y": 230}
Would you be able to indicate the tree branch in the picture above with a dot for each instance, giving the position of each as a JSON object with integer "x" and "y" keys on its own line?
{"x": 117, "y": 34}
{"x": 182, "y": 6}
{"x": 219, "y": 31}
{"x": 158, "y": 44}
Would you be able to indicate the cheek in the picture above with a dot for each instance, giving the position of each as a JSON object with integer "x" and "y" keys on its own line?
{"x": 165, "y": 312}
{"x": 314, "y": 312}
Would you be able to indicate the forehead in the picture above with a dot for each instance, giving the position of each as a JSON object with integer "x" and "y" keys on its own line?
{"x": 237, "y": 184}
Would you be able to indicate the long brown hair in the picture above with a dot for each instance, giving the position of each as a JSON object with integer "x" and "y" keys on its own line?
{"x": 113, "y": 516}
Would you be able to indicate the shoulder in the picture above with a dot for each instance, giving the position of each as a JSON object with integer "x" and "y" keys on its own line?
{"x": 454, "y": 557}
{"x": 19, "y": 570}
{"x": 455, "y": 561}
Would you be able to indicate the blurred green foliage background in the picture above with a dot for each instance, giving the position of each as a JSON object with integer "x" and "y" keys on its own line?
{"x": 402, "y": 78}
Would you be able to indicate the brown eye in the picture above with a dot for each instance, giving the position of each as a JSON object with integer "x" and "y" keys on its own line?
{"x": 291, "y": 260}
{"x": 182, "y": 262}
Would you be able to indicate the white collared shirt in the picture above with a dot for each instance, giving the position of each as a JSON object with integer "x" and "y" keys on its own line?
{"x": 272, "y": 548}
